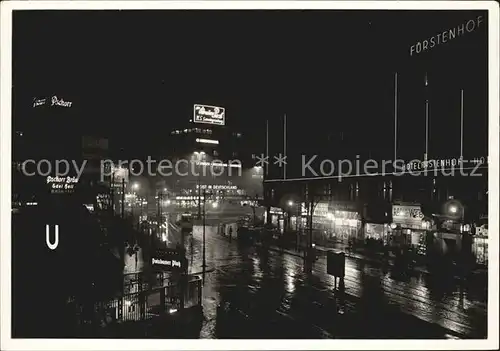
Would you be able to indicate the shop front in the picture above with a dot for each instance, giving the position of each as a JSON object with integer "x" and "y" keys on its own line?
{"x": 336, "y": 221}
{"x": 408, "y": 226}
{"x": 480, "y": 245}
{"x": 320, "y": 221}
{"x": 345, "y": 220}
{"x": 277, "y": 218}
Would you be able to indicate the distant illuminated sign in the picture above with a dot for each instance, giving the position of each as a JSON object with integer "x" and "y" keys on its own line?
{"x": 60, "y": 102}
{"x": 170, "y": 263}
{"x": 119, "y": 176}
{"x": 62, "y": 184}
{"x": 407, "y": 214}
{"x": 320, "y": 210}
{"x": 54, "y": 101}
{"x": 446, "y": 35}
{"x": 217, "y": 187}
{"x": 482, "y": 230}
{"x": 209, "y": 115}
{"x": 432, "y": 164}
{"x": 39, "y": 102}
{"x": 186, "y": 197}
{"x": 276, "y": 210}
{"x": 343, "y": 206}
{"x": 232, "y": 164}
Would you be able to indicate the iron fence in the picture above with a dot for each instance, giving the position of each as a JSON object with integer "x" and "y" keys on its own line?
{"x": 141, "y": 305}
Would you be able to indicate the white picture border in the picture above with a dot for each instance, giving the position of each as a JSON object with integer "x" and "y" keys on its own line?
{"x": 141, "y": 344}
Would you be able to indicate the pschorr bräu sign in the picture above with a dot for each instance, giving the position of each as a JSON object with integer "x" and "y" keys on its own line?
{"x": 209, "y": 115}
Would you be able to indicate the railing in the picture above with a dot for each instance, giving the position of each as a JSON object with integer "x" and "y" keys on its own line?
{"x": 143, "y": 305}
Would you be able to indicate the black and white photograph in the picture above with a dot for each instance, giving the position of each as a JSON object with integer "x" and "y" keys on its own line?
{"x": 280, "y": 172}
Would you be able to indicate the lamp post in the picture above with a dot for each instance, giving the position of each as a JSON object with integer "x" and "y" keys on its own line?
{"x": 160, "y": 215}
{"x": 289, "y": 213}
{"x": 204, "y": 264}
{"x": 199, "y": 156}
{"x": 288, "y": 222}
{"x": 214, "y": 205}
{"x": 254, "y": 206}
{"x": 135, "y": 188}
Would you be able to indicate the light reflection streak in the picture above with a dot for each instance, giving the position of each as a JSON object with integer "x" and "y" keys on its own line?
{"x": 289, "y": 272}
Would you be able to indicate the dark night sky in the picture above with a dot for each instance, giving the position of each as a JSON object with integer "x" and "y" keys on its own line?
{"x": 137, "y": 74}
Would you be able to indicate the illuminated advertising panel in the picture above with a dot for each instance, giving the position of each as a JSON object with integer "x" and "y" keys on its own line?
{"x": 209, "y": 115}
{"x": 62, "y": 185}
{"x": 120, "y": 175}
{"x": 407, "y": 215}
{"x": 51, "y": 101}
{"x": 168, "y": 260}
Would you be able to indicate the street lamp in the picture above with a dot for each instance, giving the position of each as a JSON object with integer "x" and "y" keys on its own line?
{"x": 453, "y": 209}
{"x": 215, "y": 204}
{"x": 290, "y": 203}
{"x": 199, "y": 156}
{"x": 135, "y": 186}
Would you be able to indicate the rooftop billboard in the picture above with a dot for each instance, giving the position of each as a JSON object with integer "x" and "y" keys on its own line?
{"x": 209, "y": 115}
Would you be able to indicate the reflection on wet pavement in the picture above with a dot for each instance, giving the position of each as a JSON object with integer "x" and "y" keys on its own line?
{"x": 255, "y": 293}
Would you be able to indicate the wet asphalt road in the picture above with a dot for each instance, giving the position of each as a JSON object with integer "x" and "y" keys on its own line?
{"x": 255, "y": 293}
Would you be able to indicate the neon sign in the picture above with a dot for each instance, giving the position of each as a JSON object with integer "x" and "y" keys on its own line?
{"x": 60, "y": 102}
{"x": 402, "y": 214}
{"x": 54, "y": 101}
{"x": 445, "y": 36}
{"x": 39, "y": 102}
{"x": 209, "y": 115}
{"x": 217, "y": 187}
{"x": 62, "y": 184}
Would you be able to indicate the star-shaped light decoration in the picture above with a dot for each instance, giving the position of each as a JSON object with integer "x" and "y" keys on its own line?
{"x": 280, "y": 160}
{"x": 262, "y": 160}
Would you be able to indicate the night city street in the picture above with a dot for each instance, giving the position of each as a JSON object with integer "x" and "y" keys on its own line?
{"x": 184, "y": 172}
{"x": 266, "y": 294}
